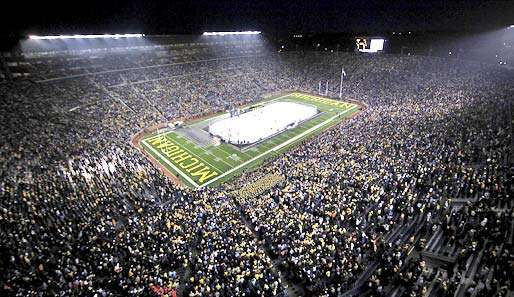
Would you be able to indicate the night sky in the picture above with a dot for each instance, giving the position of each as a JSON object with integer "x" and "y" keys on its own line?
{"x": 168, "y": 17}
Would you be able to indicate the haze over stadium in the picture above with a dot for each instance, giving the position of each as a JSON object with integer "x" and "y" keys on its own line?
{"x": 211, "y": 148}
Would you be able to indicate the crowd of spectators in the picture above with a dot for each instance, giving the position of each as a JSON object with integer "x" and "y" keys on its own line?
{"x": 84, "y": 213}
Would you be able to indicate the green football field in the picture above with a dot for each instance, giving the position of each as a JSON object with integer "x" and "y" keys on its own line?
{"x": 198, "y": 165}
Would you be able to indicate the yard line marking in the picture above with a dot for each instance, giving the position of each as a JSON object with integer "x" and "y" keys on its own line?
{"x": 285, "y": 143}
{"x": 194, "y": 155}
{"x": 244, "y": 155}
{"x": 247, "y": 153}
{"x": 222, "y": 160}
{"x": 236, "y": 152}
{"x": 169, "y": 163}
{"x": 218, "y": 148}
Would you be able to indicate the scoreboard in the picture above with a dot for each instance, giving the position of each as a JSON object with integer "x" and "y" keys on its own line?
{"x": 369, "y": 44}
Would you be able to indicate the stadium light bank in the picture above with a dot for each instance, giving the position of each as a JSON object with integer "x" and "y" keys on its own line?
{"x": 92, "y": 36}
{"x": 231, "y": 33}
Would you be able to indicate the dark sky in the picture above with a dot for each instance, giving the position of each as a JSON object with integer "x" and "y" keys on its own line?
{"x": 161, "y": 17}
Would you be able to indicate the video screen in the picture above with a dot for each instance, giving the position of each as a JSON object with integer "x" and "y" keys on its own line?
{"x": 369, "y": 45}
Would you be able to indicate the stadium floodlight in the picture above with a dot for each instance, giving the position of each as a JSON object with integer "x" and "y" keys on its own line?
{"x": 78, "y": 36}
{"x": 231, "y": 33}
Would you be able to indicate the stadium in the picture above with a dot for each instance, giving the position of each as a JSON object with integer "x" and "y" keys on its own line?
{"x": 255, "y": 163}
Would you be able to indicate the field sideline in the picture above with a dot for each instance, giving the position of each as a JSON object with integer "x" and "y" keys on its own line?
{"x": 197, "y": 166}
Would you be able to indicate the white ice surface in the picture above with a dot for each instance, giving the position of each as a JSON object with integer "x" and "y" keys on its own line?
{"x": 261, "y": 123}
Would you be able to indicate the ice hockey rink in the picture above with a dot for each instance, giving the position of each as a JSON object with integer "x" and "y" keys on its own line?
{"x": 259, "y": 124}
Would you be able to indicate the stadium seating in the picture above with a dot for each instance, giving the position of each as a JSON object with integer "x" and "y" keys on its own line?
{"x": 412, "y": 197}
